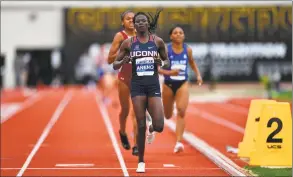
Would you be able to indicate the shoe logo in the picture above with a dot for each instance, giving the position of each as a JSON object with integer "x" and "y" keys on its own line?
{"x": 157, "y": 93}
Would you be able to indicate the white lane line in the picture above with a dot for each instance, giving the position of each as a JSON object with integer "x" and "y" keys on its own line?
{"x": 210, "y": 152}
{"x": 110, "y": 130}
{"x": 26, "y": 104}
{"x": 221, "y": 103}
{"x": 168, "y": 165}
{"x": 234, "y": 107}
{"x": 216, "y": 119}
{"x": 85, "y": 168}
{"x": 74, "y": 165}
{"x": 66, "y": 99}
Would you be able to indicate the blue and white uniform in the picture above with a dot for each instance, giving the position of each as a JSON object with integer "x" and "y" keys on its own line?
{"x": 177, "y": 61}
{"x": 145, "y": 78}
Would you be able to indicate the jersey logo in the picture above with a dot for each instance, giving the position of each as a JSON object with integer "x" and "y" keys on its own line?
{"x": 144, "y": 54}
{"x": 136, "y": 47}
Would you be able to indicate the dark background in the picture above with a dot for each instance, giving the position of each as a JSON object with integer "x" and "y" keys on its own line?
{"x": 84, "y": 26}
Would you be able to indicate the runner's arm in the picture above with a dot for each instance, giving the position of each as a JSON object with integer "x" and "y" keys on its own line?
{"x": 113, "y": 52}
{"x": 123, "y": 55}
{"x": 163, "y": 52}
{"x": 168, "y": 72}
{"x": 192, "y": 62}
{"x": 193, "y": 66}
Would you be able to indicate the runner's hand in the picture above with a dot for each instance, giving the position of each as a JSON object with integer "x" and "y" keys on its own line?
{"x": 199, "y": 80}
{"x": 126, "y": 59}
{"x": 174, "y": 72}
{"x": 158, "y": 61}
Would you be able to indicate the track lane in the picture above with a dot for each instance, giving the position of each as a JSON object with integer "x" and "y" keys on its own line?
{"x": 16, "y": 95}
{"x": 20, "y": 133}
{"x": 223, "y": 135}
{"x": 243, "y": 102}
{"x": 78, "y": 137}
{"x": 10, "y": 110}
{"x": 157, "y": 154}
{"x": 218, "y": 136}
{"x": 189, "y": 163}
{"x": 232, "y": 115}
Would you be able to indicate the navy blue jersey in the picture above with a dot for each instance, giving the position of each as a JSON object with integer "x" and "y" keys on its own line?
{"x": 143, "y": 57}
{"x": 178, "y": 61}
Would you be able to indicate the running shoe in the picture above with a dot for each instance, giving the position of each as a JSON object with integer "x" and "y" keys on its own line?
{"x": 179, "y": 147}
{"x": 135, "y": 151}
{"x": 140, "y": 167}
{"x": 150, "y": 136}
{"x": 124, "y": 141}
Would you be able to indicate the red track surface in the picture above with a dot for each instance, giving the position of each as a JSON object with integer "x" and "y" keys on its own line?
{"x": 80, "y": 136}
{"x": 12, "y": 96}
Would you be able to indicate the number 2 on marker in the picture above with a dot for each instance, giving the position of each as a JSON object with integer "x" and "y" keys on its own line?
{"x": 271, "y": 138}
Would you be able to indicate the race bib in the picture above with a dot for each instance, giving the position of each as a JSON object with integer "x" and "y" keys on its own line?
{"x": 145, "y": 66}
{"x": 181, "y": 75}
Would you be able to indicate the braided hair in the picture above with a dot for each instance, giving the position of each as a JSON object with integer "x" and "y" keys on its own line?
{"x": 153, "y": 23}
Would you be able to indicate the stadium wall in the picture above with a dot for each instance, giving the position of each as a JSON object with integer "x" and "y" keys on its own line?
{"x": 42, "y": 24}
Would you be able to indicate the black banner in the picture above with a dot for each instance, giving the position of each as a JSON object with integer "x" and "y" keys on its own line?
{"x": 84, "y": 26}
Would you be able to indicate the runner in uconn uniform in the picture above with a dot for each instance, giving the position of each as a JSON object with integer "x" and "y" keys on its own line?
{"x": 143, "y": 51}
{"x": 175, "y": 88}
{"x": 124, "y": 77}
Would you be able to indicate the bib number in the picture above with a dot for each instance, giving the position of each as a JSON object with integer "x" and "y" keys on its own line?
{"x": 145, "y": 66}
{"x": 181, "y": 75}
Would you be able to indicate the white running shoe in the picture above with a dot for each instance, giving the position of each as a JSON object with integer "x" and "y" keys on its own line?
{"x": 148, "y": 119}
{"x": 179, "y": 147}
{"x": 150, "y": 136}
{"x": 140, "y": 167}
